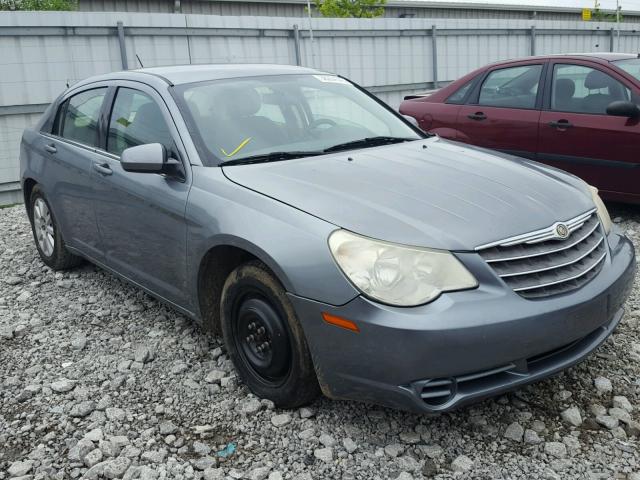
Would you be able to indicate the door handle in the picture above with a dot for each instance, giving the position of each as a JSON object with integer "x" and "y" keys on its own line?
{"x": 51, "y": 148}
{"x": 561, "y": 124}
{"x": 102, "y": 168}
{"x": 477, "y": 116}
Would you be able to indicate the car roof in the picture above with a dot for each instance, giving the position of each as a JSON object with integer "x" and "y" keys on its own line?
{"x": 179, "y": 74}
{"x": 598, "y": 56}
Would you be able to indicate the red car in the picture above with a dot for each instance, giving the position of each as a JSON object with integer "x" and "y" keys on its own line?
{"x": 576, "y": 112}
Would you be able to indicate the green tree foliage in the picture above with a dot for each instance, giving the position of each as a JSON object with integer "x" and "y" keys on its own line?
{"x": 38, "y": 5}
{"x": 600, "y": 16}
{"x": 351, "y": 8}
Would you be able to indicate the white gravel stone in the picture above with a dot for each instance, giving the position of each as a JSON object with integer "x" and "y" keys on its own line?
{"x": 607, "y": 421}
{"x": 394, "y": 449}
{"x": 622, "y": 402}
{"x": 603, "y": 385}
{"x": 324, "y": 454}
{"x": 531, "y": 437}
{"x": 572, "y": 416}
{"x": 306, "y": 412}
{"x": 281, "y": 420}
{"x": 327, "y": 440}
{"x": 462, "y": 463}
{"x": 63, "y": 385}
{"x": 555, "y": 449}
{"x": 18, "y": 469}
{"x": 349, "y": 445}
{"x": 215, "y": 376}
{"x": 514, "y": 432}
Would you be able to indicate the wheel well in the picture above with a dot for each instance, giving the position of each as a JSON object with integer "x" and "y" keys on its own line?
{"x": 215, "y": 267}
{"x": 27, "y": 188}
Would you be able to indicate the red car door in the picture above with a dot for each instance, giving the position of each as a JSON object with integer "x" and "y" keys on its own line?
{"x": 504, "y": 110}
{"x": 577, "y": 135}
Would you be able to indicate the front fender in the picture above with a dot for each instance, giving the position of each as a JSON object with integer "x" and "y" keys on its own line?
{"x": 292, "y": 243}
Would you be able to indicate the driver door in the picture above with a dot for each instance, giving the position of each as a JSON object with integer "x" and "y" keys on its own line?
{"x": 577, "y": 135}
{"x": 141, "y": 216}
{"x": 503, "y": 111}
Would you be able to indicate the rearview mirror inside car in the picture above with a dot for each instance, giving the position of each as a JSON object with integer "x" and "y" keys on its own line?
{"x": 149, "y": 158}
{"x": 621, "y": 108}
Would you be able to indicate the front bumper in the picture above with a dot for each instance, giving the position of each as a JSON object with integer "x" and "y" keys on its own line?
{"x": 465, "y": 346}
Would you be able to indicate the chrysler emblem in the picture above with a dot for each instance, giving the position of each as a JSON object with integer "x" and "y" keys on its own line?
{"x": 562, "y": 231}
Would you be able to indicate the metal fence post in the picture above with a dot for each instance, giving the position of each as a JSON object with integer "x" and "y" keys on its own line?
{"x": 533, "y": 40}
{"x": 611, "y": 40}
{"x": 296, "y": 44}
{"x": 123, "y": 47}
{"x": 434, "y": 55}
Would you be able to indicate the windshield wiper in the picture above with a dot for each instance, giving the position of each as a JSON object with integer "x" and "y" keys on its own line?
{"x": 368, "y": 142}
{"x": 269, "y": 157}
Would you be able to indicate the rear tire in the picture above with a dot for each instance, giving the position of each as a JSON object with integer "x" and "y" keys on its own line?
{"x": 46, "y": 234}
{"x": 264, "y": 338}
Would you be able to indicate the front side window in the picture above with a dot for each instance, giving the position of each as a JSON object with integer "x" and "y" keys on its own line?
{"x": 237, "y": 118}
{"x": 580, "y": 89}
{"x": 513, "y": 87}
{"x": 79, "y": 115}
{"x": 136, "y": 119}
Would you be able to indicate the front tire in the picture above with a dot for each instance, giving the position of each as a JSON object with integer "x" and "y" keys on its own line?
{"x": 46, "y": 234}
{"x": 264, "y": 338}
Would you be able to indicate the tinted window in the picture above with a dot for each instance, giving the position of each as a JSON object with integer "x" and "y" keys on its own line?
{"x": 514, "y": 87}
{"x": 79, "y": 116}
{"x": 460, "y": 94}
{"x": 582, "y": 89}
{"x": 136, "y": 119}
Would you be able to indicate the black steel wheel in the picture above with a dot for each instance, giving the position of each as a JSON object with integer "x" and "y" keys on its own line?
{"x": 264, "y": 338}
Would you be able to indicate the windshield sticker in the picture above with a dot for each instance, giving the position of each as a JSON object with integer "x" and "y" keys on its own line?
{"x": 237, "y": 149}
{"x": 331, "y": 79}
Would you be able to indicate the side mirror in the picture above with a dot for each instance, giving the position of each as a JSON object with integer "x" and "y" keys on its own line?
{"x": 149, "y": 158}
{"x": 621, "y": 108}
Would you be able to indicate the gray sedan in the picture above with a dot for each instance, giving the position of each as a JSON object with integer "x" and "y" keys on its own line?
{"x": 336, "y": 248}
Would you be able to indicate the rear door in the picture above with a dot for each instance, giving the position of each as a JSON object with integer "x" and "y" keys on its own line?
{"x": 70, "y": 150}
{"x": 577, "y": 135}
{"x": 503, "y": 111}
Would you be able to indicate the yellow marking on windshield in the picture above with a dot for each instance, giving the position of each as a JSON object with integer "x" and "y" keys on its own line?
{"x": 238, "y": 148}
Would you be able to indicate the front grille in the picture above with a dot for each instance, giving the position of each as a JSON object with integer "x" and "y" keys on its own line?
{"x": 539, "y": 265}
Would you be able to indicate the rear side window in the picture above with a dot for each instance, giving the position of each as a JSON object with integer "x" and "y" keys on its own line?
{"x": 459, "y": 95}
{"x": 78, "y": 116}
{"x": 513, "y": 87}
{"x": 136, "y": 119}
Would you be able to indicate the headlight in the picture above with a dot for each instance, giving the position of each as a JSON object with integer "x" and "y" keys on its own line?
{"x": 396, "y": 274}
{"x": 603, "y": 213}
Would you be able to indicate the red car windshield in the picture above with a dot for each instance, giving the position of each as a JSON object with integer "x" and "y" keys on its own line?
{"x": 631, "y": 66}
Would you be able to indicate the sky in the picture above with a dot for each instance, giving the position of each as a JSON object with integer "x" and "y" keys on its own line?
{"x": 629, "y": 5}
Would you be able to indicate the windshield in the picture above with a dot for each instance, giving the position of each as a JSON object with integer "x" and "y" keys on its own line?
{"x": 238, "y": 118}
{"x": 631, "y": 66}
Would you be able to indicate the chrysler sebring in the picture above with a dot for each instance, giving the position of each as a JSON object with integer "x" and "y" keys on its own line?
{"x": 335, "y": 247}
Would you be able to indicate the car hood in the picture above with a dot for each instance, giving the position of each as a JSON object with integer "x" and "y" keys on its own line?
{"x": 433, "y": 193}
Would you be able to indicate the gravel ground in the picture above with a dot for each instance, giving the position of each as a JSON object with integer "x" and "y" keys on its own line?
{"x": 99, "y": 380}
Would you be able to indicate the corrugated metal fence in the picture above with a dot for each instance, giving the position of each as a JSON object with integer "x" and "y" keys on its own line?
{"x": 40, "y": 53}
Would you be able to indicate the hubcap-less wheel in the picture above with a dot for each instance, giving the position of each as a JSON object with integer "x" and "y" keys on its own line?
{"x": 262, "y": 339}
{"x": 43, "y": 225}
